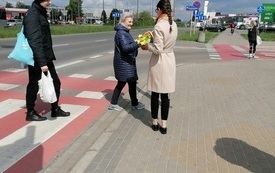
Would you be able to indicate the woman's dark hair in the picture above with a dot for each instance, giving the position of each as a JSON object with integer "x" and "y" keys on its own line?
{"x": 165, "y": 7}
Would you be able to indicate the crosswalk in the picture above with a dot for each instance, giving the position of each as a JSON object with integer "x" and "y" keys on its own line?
{"x": 234, "y": 52}
{"x": 30, "y": 146}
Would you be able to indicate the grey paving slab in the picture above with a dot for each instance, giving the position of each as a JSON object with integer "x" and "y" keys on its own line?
{"x": 222, "y": 120}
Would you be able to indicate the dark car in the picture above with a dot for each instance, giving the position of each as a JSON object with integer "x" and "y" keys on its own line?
{"x": 213, "y": 28}
{"x": 267, "y": 28}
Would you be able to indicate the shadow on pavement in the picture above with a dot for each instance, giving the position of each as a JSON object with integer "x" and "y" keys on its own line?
{"x": 242, "y": 154}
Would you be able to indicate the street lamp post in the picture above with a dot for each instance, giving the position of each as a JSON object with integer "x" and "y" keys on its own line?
{"x": 137, "y": 7}
{"x": 78, "y": 7}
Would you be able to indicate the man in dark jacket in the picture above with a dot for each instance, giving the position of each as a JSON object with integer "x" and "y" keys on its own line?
{"x": 37, "y": 31}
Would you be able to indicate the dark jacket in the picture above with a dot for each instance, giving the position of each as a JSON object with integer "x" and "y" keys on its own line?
{"x": 37, "y": 31}
{"x": 252, "y": 34}
{"x": 126, "y": 50}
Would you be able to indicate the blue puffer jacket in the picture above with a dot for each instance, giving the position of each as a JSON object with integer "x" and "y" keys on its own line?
{"x": 126, "y": 50}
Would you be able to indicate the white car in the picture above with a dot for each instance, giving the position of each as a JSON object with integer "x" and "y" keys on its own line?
{"x": 98, "y": 22}
{"x": 11, "y": 22}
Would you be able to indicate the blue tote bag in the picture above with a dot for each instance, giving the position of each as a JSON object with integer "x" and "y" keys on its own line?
{"x": 22, "y": 51}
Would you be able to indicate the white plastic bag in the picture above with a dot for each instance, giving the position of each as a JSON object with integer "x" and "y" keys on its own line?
{"x": 259, "y": 40}
{"x": 46, "y": 88}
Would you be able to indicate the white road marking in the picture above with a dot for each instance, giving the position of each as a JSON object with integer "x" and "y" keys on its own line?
{"x": 83, "y": 76}
{"x": 60, "y": 45}
{"x": 96, "y": 56}
{"x": 6, "y": 87}
{"x": 101, "y": 40}
{"x": 32, "y": 135}
{"x": 112, "y": 78}
{"x": 91, "y": 94}
{"x": 183, "y": 47}
{"x": 14, "y": 70}
{"x": 10, "y": 105}
{"x": 68, "y": 64}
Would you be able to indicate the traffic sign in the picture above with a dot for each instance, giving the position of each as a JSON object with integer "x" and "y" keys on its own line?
{"x": 195, "y": 12}
{"x": 197, "y": 4}
{"x": 191, "y": 8}
{"x": 260, "y": 9}
{"x": 116, "y": 14}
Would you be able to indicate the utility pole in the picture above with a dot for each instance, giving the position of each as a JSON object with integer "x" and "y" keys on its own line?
{"x": 172, "y": 2}
{"x": 78, "y": 5}
{"x": 137, "y": 8}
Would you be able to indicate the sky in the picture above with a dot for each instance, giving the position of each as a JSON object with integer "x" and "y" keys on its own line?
{"x": 223, "y": 6}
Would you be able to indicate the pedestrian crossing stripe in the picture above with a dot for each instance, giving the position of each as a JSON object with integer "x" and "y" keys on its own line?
{"x": 23, "y": 143}
{"x": 4, "y": 86}
{"x": 33, "y": 134}
{"x": 234, "y": 52}
{"x": 9, "y": 106}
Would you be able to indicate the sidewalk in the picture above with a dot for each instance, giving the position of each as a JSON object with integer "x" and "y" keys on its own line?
{"x": 222, "y": 120}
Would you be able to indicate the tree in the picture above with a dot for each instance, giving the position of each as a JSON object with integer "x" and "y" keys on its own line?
{"x": 54, "y": 15}
{"x": 9, "y": 5}
{"x": 145, "y": 19}
{"x": 74, "y": 9}
{"x": 114, "y": 11}
{"x": 103, "y": 17}
{"x": 22, "y": 5}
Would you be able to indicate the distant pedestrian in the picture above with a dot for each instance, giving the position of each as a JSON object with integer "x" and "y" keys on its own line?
{"x": 124, "y": 62}
{"x": 232, "y": 26}
{"x": 252, "y": 38}
{"x": 162, "y": 66}
{"x": 37, "y": 31}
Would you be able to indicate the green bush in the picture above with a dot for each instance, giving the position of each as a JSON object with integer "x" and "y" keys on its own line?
{"x": 193, "y": 36}
{"x": 265, "y": 36}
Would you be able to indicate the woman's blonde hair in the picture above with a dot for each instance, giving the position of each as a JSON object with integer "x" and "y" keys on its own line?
{"x": 124, "y": 16}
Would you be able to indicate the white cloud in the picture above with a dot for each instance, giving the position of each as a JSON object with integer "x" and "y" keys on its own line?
{"x": 233, "y": 6}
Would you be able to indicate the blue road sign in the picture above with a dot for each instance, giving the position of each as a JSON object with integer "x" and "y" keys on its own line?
{"x": 260, "y": 9}
{"x": 197, "y": 4}
{"x": 116, "y": 14}
{"x": 191, "y": 8}
{"x": 195, "y": 12}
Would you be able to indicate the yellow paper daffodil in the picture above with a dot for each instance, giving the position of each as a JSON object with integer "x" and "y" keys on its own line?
{"x": 145, "y": 38}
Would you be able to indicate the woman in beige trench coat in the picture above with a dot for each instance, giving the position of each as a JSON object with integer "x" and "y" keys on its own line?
{"x": 162, "y": 66}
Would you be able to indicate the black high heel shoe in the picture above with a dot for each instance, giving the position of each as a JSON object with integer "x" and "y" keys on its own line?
{"x": 155, "y": 127}
{"x": 163, "y": 130}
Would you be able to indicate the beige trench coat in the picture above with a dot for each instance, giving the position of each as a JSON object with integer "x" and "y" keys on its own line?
{"x": 162, "y": 66}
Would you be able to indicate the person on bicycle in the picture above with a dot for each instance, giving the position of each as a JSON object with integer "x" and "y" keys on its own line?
{"x": 232, "y": 26}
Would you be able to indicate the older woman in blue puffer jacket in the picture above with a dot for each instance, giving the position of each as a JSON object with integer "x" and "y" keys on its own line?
{"x": 126, "y": 51}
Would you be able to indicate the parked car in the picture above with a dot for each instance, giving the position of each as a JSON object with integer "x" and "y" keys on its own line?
{"x": 98, "y": 22}
{"x": 267, "y": 28}
{"x": 213, "y": 28}
{"x": 14, "y": 22}
{"x": 11, "y": 22}
{"x": 242, "y": 25}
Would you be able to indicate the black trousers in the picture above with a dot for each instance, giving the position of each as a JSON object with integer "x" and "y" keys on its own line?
{"x": 132, "y": 92}
{"x": 165, "y": 104}
{"x": 252, "y": 46}
{"x": 32, "y": 87}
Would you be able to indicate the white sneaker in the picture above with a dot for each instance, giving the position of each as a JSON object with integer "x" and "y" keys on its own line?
{"x": 139, "y": 106}
{"x": 253, "y": 55}
{"x": 250, "y": 56}
{"x": 115, "y": 107}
